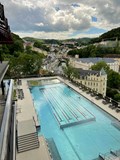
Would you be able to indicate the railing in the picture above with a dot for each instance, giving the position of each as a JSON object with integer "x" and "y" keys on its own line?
{"x": 14, "y": 133}
{"x": 4, "y": 137}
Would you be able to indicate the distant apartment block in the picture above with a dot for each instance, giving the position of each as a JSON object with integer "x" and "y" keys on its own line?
{"x": 86, "y": 63}
{"x": 94, "y": 80}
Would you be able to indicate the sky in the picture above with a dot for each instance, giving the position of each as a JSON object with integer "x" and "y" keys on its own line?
{"x": 62, "y": 19}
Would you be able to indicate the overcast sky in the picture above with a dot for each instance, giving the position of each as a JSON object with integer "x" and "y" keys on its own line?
{"x": 62, "y": 19}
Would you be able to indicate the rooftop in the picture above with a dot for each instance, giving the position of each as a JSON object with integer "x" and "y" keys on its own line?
{"x": 90, "y": 72}
{"x": 95, "y": 60}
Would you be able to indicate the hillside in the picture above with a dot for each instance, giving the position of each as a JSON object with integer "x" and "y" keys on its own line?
{"x": 48, "y": 41}
{"x": 31, "y": 39}
{"x": 111, "y": 35}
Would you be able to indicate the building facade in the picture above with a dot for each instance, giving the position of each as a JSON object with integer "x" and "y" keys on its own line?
{"x": 94, "y": 80}
{"x": 5, "y": 34}
{"x": 86, "y": 63}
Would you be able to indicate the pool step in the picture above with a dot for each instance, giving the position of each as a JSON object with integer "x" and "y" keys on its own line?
{"x": 27, "y": 137}
{"x": 53, "y": 149}
{"x": 108, "y": 156}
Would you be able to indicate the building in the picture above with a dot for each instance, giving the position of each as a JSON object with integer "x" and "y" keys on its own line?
{"x": 86, "y": 63}
{"x": 5, "y": 35}
{"x": 94, "y": 80}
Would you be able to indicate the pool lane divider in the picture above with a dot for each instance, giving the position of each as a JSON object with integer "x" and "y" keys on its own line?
{"x": 80, "y": 106}
{"x": 85, "y": 116}
{"x": 63, "y": 118}
{"x": 81, "y": 113}
{"x": 70, "y": 107}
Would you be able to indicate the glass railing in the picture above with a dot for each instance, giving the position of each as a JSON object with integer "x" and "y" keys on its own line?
{"x": 5, "y": 123}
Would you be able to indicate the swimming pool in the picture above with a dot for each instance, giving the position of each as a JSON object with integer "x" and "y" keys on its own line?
{"x": 87, "y": 131}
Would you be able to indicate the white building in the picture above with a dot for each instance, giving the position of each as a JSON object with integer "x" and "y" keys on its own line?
{"x": 86, "y": 63}
{"x": 94, "y": 80}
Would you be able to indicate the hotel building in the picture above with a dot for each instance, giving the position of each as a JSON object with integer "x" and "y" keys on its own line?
{"x": 86, "y": 63}
{"x": 94, "y": 80}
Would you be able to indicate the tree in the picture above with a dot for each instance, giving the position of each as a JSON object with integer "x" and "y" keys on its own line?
{"x": 113, "y": 79}
{"x": 99, "y": 65}
{"x": 117, "y": 97}
{"x": 68, "y": 71}
{"x": 71, "y": 72}
{"x": 28, "y": 49}
{"x": 26, "y": 65}
{"x": 75, "y": 73}
{"x": 111, "y": 92}
{"x": 112, "y": 76}
{"x": 30, "y": 64}
{"x": 41, "y": 45}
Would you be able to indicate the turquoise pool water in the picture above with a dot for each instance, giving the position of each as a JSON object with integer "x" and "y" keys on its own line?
{"x": 81, "y": 138}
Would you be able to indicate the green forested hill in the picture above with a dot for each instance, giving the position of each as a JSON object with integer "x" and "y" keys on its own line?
{"x": 112, "y": 34}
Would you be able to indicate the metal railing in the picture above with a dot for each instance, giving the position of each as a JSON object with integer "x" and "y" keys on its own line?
{"x": 13, "y": 155}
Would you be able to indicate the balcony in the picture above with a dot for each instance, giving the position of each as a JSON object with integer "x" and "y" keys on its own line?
{"x": 5, "y": 35}
{"x": 5, "y": 120}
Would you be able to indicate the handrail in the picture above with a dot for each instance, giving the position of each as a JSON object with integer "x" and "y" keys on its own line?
{"x": 5, "y": 124}
{"x": 14, "y": 132}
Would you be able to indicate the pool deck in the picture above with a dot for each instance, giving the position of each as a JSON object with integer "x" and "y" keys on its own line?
{"x": 25, "y": 106}
{"x": 26, "y": 111}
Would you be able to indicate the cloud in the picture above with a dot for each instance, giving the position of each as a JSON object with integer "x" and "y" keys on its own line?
{"x": 56, "y": 35}
{"x": 55, "y": 17}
